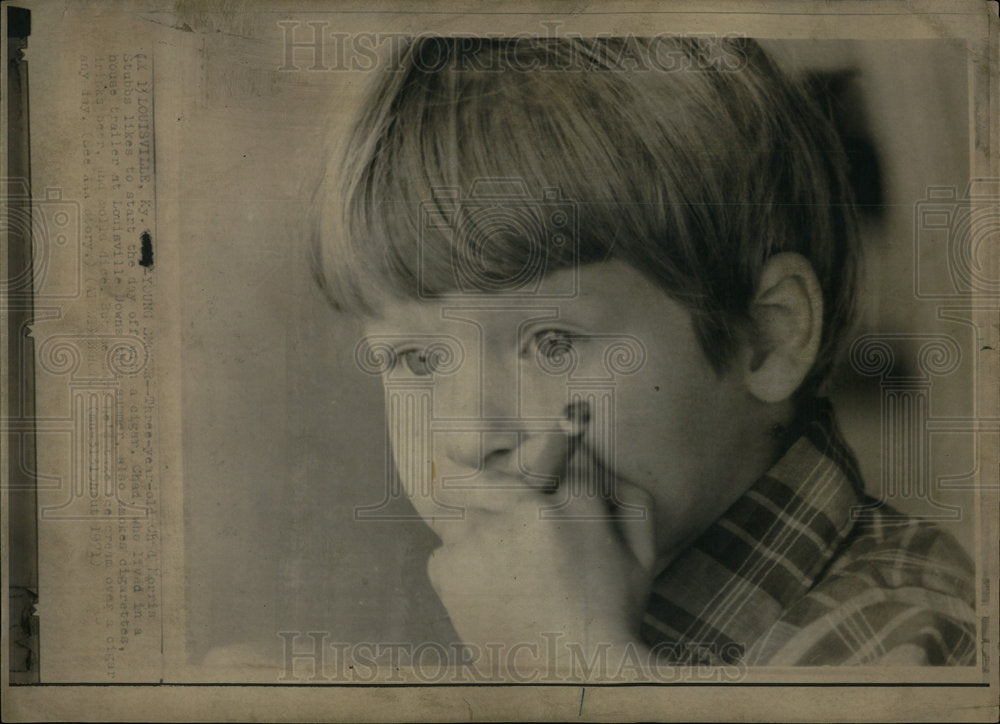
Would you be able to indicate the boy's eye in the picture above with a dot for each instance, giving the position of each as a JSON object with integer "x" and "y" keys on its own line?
{"x": 418, "y": 362}
{"x": 553, "y": 343}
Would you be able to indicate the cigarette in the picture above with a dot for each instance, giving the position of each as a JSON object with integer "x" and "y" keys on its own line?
{"x": 576, "y": 417}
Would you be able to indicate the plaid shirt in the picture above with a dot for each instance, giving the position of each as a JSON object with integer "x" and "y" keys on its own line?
{"x": 806, "y": 570}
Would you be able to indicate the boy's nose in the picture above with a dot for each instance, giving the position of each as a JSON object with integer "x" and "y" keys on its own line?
{"x": 497, "y": 451}
{"x": 537, "y": 455}
{"x": 497, "y": 438}
{"x": 480, "y": 449}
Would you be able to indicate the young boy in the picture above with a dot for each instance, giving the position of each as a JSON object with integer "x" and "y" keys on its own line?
{"x": 603, "y": 281}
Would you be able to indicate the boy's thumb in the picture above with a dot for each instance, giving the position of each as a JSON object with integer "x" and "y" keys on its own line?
{"x": 629, "y": 508}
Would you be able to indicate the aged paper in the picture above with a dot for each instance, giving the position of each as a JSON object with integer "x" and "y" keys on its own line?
{"x": 204, "y": 516}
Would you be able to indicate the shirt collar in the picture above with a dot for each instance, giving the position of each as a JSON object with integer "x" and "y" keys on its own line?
{"x": 728, "y": 588}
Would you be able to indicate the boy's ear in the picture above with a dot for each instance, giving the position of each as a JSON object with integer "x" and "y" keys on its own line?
{"x": 787, "y": 317}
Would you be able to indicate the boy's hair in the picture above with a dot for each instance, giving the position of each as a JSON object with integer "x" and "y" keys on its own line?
{"x": 694, "y": 172}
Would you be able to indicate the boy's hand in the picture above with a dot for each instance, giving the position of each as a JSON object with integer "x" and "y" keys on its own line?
{"x": 527, "y": 571}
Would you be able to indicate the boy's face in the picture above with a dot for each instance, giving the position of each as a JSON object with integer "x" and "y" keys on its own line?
{"x": 471, "y": 426}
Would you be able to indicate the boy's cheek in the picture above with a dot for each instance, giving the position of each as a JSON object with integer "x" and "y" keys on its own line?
{"x": 634, "y": 448}
{"x": 543, "y": 396}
